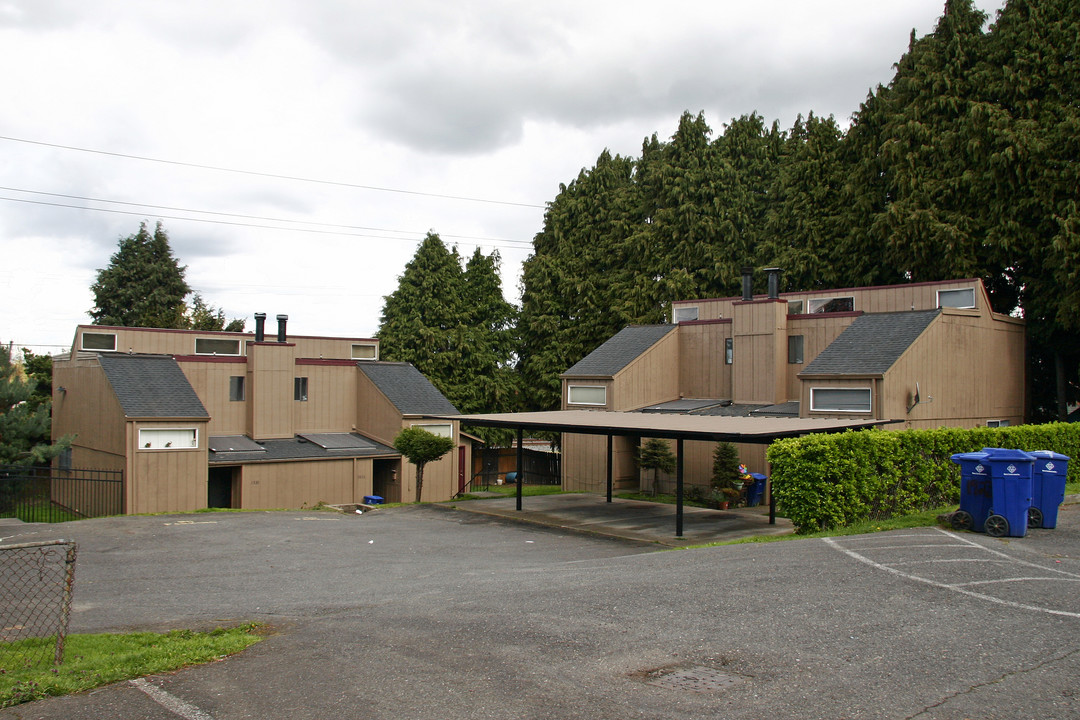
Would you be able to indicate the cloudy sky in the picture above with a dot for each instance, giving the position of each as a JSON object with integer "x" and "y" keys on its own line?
{"x": 298, "y": 150}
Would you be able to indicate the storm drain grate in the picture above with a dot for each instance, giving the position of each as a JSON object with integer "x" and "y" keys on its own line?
{"x": 695, "y": 679}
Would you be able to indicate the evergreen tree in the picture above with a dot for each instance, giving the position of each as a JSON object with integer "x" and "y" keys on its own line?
{"x": 1029, "y": 130}
{"x": 455, "y": 327}
{"x": 421, "y": 447}
{"x": 578, "y": 287}
{"x": 656, "y": 455}
{"x": 24, "y": 425}
{"x": 143, "y": 286}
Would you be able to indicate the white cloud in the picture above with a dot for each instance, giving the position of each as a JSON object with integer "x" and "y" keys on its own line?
{"x": 485, "y": 99}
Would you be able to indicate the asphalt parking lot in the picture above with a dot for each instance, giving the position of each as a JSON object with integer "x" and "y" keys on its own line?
{"x": 423, "y": 612}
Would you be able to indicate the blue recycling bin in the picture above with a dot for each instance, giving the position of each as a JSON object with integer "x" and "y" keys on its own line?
{"x": 1047, "y": 488}
{"x": 373, "y": 500}
{"x": 1010, "y": 475}
{"x": 756, "y": 491}
{"x": 511, "y": 477}
{"x": 976, "y": 491}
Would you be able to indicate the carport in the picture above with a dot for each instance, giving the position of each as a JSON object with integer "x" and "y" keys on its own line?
{"x": 752, "y": 430}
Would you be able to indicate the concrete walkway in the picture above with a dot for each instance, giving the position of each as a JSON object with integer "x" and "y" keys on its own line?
{"x": 647, "y": 522}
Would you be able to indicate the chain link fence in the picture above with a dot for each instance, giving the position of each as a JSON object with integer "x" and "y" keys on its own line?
{"x": 36, "y": 581}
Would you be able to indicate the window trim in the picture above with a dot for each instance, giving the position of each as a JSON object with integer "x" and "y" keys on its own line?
{"x": 796, "y": 349}
{"x": 729, "y": 351}
{"x": 570, "y": 393}
{"x": 142, "y": 445}
{"x": 822, "y": 302}
{"x": 427, "y": 426}
{"x": 300, "y": 389}
{"x": 958, "y": 290}
{"x": 686, "y": 309}
{"x": 374, "y": 351}
{"x": 240, "y": 396}
{"x": 869, "y": 399}
{"x": 82, "y": 342}
{"x": 239, "y": 346}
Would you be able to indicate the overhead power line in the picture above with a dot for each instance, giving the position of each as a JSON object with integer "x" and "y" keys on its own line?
{"x": 332, "y": 226}
{"x": 271, "y": 175}
{"x": 315, "y": 231}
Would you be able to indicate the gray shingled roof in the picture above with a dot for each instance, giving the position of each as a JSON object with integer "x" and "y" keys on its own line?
{"x": 619, "y": 350}
{"x": 296, "y": 448}
{"x": 871, "y": 344}
{"x": 407, "y": 388}
{"x": 150, "y": 386}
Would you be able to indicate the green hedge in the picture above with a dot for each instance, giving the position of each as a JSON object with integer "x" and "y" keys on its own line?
{"x": 828, "y": 481}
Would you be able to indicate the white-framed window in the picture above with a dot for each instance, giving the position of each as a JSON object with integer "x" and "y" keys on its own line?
{"x": 365, "y": 351}
{"x": 440, "y": 429}
{"x": 729, "y": 350}
{"x": 831, "y": 305}
{"x": 168, "y": 438}
{"x": 217, "y": 346}
{"x": 98, "y": 341}
{"x": 685, "y": 314}
{"x": 795, "y": 349}
{"x": 795, "y": 307}
{"x": 962, "y": 298}
{"x": 854, "y": 400}
{"x": 236, "y": 388}
{"x": 586, "y": 395}
{"x": 997, "y": 423}
{"x": 300, "y": 389}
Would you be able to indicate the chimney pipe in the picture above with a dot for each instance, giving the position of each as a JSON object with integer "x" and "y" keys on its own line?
{"x": 281, "y": 320}
{"x": 774, "y": 282}
{"x": 260, "y": 327}
{"x": 747, "y": 284}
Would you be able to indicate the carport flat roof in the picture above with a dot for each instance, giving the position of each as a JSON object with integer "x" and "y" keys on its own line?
{"x": 760, "y": 430}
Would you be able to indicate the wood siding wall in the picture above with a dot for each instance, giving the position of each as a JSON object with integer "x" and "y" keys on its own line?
{"x": 305, "y": 484}
{"x": 652, "y": 377}
{"x": 703, "y": 372}
{"x": 760, "y": 352}
{"x": 210, "y": 380}
{"x": 182, "y": 342}
{"x": 971, "y": 365}
{"x": 331, "y": 403}
{"x": 271, "y": 409}
{"x": 89, "y": 410}
{"x": 173, "y": 480}
{"x": 890, "y": 298}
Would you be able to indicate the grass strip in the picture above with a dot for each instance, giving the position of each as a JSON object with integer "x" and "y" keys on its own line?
{"x": 93, "y": 660}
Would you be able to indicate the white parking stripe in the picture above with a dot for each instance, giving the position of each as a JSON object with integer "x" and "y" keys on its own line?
{"x": 952, "y": 588}
{"x": 170, "y": 702}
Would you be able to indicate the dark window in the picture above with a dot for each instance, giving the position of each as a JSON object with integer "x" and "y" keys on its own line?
{"x": 795, "y": 349}
{"x": 236, "y": 388}
{"x": 831, "y": 305}
{"x": 216, "y": 346}
{"x": 729, "y": 350}
{"x": 300, "y": 388}
{"x": 98, "y": 341}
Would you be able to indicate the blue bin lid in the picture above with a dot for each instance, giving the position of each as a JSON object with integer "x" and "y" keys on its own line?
{"x": 972, "y": 456}
{"x": 1008, "y": 455}
{"x": 1048, "y": 455}
{"x": 758, "y": 476}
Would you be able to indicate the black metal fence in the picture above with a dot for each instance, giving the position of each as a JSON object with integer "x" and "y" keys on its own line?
{"x": 541, "y": 468}
{"x": 47, "y": 494}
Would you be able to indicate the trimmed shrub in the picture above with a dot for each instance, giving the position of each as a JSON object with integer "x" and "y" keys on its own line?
{"x": 828, "y": 481}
